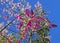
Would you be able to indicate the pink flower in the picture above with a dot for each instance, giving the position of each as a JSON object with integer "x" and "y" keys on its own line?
{"x": 33, "y": 16}
{"x": 18, "y": 17}
{"x": 27, "y": 12}
{"x": 5, "y": 17}
{"x": 19, "y": 25}
{"x": 52, "y": 26}
{"x": 18, "y": 41}
{"x": 37, "y": 25}
{"x": 32, "y": 12}
{"x": 24, "y": 31}
{"x": 29, "y": 24}
{"x": 10, "y": 39}
{"x": 40, "y": 18}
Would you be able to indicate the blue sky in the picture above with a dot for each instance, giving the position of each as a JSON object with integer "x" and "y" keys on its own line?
{"x": 53, "y": 10}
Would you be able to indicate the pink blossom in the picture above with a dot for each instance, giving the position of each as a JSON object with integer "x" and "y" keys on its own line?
{"x": 33, "y": 16}
{"x": 24, "y": 31}
{"x": 52, "y": 26}
{"x": 19, "y": 17}
{"x": 5, "y": 17}
{"x": 27, "y": 12}
{"x": 29, "y": 24}
{"x": 18, "y": 41}
{"x": 32, "y": 12}
{"x": 40, "y": 18}
{"x": 19, "y": 25}
{"x": 37, "y": 25}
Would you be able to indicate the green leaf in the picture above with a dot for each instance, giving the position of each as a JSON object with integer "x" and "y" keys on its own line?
{"x": 47, "y": 40}
{"x": 37, "y": 41}
{"x": 40, "y": 32}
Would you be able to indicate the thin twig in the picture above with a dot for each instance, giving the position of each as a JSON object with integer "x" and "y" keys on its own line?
{"x": 7, "y": 25}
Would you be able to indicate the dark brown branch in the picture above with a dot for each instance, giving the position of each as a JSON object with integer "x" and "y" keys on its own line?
{"x": 7, "y": 25}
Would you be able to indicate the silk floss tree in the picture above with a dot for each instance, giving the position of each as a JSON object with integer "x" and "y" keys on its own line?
{"x": 32, "y": 24}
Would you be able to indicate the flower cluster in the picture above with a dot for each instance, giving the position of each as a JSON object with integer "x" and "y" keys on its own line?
{"x": 27, "y": 20}
{"x": 32, "y": 19}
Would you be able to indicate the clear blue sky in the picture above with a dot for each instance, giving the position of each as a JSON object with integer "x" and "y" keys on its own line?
{"x": 53, "y": 10}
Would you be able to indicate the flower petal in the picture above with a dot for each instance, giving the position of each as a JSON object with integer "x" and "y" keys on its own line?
{"x": 19, "y": 25}
{"x": 27, "y": 12}
{"x": 52, "y": 26}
